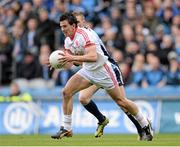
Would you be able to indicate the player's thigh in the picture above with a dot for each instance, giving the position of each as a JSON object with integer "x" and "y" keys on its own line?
{"x": 88, "y": 92}
{"x": 117, "y": 93}
{"x": 76, "y": 83}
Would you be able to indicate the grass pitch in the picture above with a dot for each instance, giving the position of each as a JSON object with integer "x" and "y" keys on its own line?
{"x": 89, "y": 140}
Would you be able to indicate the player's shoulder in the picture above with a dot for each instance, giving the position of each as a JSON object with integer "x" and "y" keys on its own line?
{"x": 67, "y": 40}
{"x": 83, "y": 34}
{"x": 82, "y": 31}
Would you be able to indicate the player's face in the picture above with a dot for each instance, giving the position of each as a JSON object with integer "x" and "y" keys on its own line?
{"x": 66, "y": 28}
{"x": 80, "y": 20}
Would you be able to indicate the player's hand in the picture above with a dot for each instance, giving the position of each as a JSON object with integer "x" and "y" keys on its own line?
{"x": 48, "y": 64}
{"x": 65, "y": 57}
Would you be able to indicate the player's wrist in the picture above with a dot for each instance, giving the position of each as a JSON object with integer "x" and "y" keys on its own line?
{"x": 75, "y": 59}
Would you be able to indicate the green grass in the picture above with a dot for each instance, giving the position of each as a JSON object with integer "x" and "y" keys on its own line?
{"x": 89, "y": 140}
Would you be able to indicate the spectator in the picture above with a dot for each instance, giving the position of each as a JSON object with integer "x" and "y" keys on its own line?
{"x": 10, "y": 18}
{"x": 5, "y": 58}
{"x": 27, "y": 8}
{"x": 110, "y": 31}
{"x": 89, "y": 5}
{"x": 116, "y": 17}
{"x": 166, "y": 20}
{"x": 153, "y": 27}
{"x": 175, "y": 30}
{"x": 127, "y": 35}
{"x": 37, "y": 6}
{"x": 177, "y": 47}
{"x": 126, "y": 70}
{"x": 30, "y": 36}
{"x": 16, "y": 6}
{"x": 27, "y": 12}
{"x": 130, "y": 16}
{"x": 45, "y": 51}
{"x": 140, "y": 37}
{"x": 165, "y": 47}
{"x": 149, "y": 18}
{"x": 17, "y": 96}
{"x": 29, "y": 68}
{"x": 2, "y": 15}
{"x": 102, "y": 8}
{"x": 77, "y": 5}
{"x": 154, "y": 75}
{"x": 138, "y": 73}
{"x": 45, "y": 29}
{"x": 132, "y": 49}
{"x": 58, "y": 8}
{"x": 3, "y": 29}
{"x": 173, "y": 73}
{"x": 158, "y": 36}
{"x": 176, "y": 6}
{"x": 165, "y": 4}
{"x": 151, "y": 46}
{"x": 18, "y": 45}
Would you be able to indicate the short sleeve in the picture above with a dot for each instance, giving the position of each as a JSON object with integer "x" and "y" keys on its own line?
{"x": 84, "y": 39}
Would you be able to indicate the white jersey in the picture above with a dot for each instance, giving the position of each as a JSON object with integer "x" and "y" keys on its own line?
{"x": 97, "y": 37}
{"x": 103, "y": 48}
{"x": 81, "y": 39}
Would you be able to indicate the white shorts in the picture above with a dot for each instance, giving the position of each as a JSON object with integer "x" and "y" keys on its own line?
{"x": 103, "y": 77}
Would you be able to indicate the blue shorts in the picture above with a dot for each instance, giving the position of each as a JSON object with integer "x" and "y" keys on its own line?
{"x": 118, "y": 73}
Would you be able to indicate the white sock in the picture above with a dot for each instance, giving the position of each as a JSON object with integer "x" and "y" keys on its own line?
{"x": 141, "y": 119}
{"x": 67, "y": 122}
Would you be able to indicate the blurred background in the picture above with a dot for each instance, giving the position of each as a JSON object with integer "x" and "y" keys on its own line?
{"x": 143, "y": 36}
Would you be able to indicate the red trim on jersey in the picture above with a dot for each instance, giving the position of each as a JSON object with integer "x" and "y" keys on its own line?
{"x": 89, "y": 44}
{"x": 111, "y": 74}
{"x": 72, "y": 37}
{"x": 84, "y": 34}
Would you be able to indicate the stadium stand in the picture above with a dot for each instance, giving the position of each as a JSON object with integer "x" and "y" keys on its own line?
{"x": 150, "y": 28}
{"x": 143, "y": 37}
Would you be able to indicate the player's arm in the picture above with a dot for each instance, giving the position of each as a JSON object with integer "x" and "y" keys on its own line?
{"x": 89, "y": 56}
{"x": 76, "y": 63}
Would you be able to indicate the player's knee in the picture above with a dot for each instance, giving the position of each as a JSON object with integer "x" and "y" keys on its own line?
{"x": 83, "y": 100}
{"x": 66, "y": 93}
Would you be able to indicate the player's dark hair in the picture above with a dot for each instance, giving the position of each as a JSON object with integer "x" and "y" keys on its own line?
{"x": 69, "y": 17}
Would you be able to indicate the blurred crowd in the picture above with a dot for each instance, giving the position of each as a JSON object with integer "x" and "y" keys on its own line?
{"x": 143, "y": 36}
